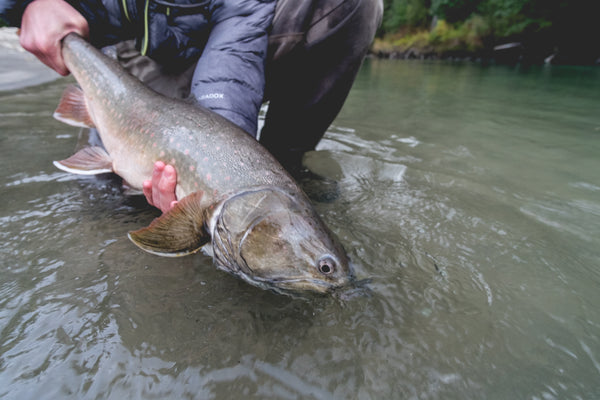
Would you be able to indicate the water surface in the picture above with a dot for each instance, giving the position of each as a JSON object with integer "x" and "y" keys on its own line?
{"x": 469, "y": 195}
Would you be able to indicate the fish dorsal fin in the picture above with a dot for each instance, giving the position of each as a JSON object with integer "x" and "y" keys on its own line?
{"x": 72, "y": 108}
{"x": 87, "y": 161}
{"x": 178, "y": 232}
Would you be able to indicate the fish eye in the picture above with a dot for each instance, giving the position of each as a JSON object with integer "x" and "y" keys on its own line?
{"x": 326, "y": 265}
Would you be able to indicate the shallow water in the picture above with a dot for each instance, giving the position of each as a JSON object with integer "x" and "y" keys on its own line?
{"x": 469, "y": 195}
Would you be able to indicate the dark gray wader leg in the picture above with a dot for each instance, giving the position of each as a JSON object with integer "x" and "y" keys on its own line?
{"x": 311, "y": 70}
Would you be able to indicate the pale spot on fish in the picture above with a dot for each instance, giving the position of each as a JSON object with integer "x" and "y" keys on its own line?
{"x": 191, "y": 168}
{"x": 172, "y": 161}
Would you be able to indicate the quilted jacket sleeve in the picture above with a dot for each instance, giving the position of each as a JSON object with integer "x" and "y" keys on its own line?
{"x": 229, "y": 77}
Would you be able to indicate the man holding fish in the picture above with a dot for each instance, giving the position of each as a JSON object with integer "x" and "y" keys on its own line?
{"x": 228, "y": 55}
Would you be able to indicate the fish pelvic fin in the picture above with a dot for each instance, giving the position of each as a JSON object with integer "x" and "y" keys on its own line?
{"x": 87, "y": 161}
{"x": 178, "y": 232}
{"x": 72, "y": 108}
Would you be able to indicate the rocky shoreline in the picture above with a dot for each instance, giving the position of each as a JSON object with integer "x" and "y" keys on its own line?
{"x": 506, "y": 54}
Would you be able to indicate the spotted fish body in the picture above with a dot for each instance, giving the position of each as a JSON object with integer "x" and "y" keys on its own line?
{"x": 232, "y": 192}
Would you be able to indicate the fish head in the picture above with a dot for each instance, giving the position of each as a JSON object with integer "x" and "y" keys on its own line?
{"x": 274, "y": 240}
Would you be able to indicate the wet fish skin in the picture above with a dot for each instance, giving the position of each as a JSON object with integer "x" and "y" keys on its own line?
{"x": 232, "y": 192}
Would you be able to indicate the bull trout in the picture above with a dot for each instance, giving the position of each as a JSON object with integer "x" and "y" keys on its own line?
{"x": 233, "y": 193}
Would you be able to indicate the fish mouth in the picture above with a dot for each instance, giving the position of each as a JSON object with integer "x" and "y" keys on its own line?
{"x": 301, "y": 287}
{"x": 356, "y": 289}
{"x": 290, "y": 285}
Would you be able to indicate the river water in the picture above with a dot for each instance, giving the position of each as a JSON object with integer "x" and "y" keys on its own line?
{"x": 469, "y": 195}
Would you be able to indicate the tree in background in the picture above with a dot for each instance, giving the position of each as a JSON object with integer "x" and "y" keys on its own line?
{"x": 568, "y": 29}
{"x": 405, "y": 14}
{"x": 453, "y": 10}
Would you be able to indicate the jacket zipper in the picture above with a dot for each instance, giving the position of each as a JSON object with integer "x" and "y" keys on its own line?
{"x": 145, "y": 39}
{"x": 125, "y": 10}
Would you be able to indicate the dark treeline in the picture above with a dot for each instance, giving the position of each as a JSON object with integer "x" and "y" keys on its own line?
{"x": 558, "y": 30}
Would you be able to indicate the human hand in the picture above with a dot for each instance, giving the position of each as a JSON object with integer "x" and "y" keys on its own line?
{"x": 44, "y": 24}
{"x": 160, "y": 190}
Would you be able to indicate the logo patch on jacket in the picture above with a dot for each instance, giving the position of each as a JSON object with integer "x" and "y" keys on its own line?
{"x": 212, "y": 96}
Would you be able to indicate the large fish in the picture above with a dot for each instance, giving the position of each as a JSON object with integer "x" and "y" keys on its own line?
{"x": 232, "y": 192}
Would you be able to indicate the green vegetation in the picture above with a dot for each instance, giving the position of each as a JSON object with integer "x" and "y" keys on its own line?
{"x": 566, "y": 29}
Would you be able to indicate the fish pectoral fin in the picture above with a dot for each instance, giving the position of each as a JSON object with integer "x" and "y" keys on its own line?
{"x": 72, "y": 108}
{"x": 92, "y": 160}
{"x": 178, "y": 232}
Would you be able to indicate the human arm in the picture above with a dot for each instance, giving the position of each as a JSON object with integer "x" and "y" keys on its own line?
{"x": 230, "y": 75}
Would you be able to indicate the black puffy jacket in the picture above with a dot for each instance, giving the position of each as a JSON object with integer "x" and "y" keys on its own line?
{"x": 228, "y": 36}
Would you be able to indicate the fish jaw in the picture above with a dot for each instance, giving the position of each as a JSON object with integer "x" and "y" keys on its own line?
{"x": 274, "y": 240}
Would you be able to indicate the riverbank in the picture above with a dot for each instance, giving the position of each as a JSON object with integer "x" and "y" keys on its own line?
{"x": 470, "y": 41}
